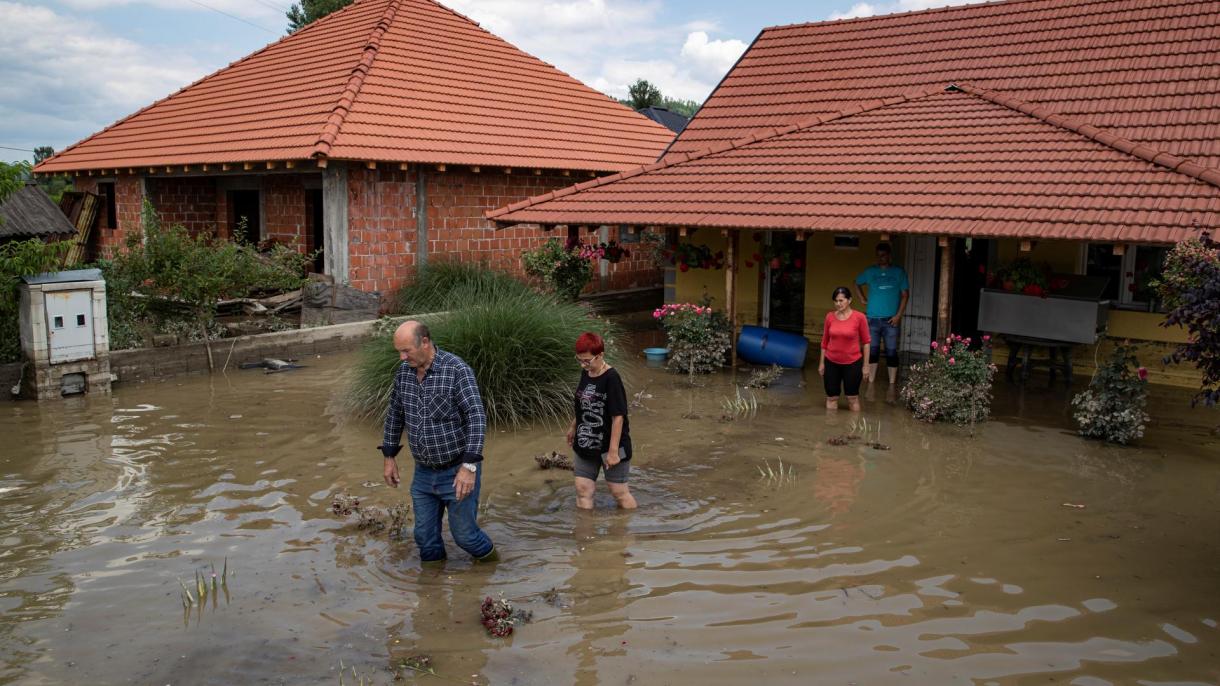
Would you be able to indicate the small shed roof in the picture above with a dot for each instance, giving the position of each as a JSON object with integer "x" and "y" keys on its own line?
{"x": 30, "y": 213}
{"x": 381, "y": 80}
{"x": 958, "y": 160}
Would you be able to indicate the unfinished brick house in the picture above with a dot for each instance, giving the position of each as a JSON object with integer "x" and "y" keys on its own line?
{"x": 336, "y": 136}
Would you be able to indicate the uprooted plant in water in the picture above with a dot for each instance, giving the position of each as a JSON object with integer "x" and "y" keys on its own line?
{"x": 499, "y": 616}
{"x": 372, "y": 518}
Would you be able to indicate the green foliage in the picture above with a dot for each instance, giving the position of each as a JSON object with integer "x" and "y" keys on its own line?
{"x": 520, "y": 346}
{"x": 306, "y": 12}
{"x": 1112, "y": 407}
{"x": 643, "y": 94}
{"x": 169, "y": 265}
{"x": 43, "y": 152}
{"x": 560, "y": 267}
{"x": 1020, "y": 276}
{"x": 954, "y": 384}
{"x": 443, "y": 286}
{"x": 18, "y": 259}
{"x": 698, "y": 336}
{"x": 1190, "y": 287}
{"x": 12, "y": 177}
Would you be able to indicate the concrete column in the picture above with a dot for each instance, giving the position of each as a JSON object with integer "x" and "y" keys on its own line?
{"x": 421, "y": 218}
{"x": 334, "y": 222}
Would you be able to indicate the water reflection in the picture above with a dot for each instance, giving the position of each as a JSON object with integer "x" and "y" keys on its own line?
{"x": 1015, "y": 555}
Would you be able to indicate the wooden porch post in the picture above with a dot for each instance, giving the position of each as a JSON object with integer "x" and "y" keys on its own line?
{"x": 944, "y": 309}
{"x": 730, "y": 294}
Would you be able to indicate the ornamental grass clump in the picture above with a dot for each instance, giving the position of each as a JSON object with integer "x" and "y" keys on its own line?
{"x": 697, "y": 335}
{"x": 1112, "y": 407}
{"x": 954, "y": 384}
{"x": 519, "y": 346}
{"x": 443, "y": 286}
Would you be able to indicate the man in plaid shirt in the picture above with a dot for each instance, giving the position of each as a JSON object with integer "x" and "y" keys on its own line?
{"x": 435, "y": 398}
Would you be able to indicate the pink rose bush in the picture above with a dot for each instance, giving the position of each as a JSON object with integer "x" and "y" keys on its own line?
{"x": 697, "y": 335}
{"x": 954, "y": 384}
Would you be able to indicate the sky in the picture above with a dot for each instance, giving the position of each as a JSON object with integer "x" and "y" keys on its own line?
{"x": 73, "y": 67}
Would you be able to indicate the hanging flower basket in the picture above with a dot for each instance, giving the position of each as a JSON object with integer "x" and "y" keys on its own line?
{"x": 687, "y": 256}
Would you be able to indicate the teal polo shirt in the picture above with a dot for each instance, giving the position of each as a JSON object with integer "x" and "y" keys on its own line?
{"x": 885, "y": 287}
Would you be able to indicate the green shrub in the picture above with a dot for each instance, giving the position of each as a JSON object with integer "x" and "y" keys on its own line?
{"x": 697, "y": 337}
{"x": 18, "y": 259}
{"x": 443, "y": 286}
{"x": 519, "y": 345}
{"x": 954, "y": 384}
{"x": 560, "y": 267}
{"x": 165, "y": 275}
{"x": 1112, "y": 407}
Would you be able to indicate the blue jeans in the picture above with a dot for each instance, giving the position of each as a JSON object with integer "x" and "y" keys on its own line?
{"x": 878, "y": 328}
{"x": 431, "y": 494}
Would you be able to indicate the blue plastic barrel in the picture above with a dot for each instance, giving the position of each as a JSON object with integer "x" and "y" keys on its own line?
{"x": 768, "y": 346}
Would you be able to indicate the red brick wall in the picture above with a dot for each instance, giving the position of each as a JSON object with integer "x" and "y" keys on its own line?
{"x": 189, "y": 201}
{"x": 382, "y": 229}
{"x": 129, "y": 202}
{"x": 284, "y": 215}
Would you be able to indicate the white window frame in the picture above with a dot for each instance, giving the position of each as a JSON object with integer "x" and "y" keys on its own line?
{"x": 1126, "y": 275}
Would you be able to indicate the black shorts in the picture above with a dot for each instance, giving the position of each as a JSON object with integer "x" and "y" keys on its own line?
{"x": 588, "y": 469}
{"x": 843, "y": 376}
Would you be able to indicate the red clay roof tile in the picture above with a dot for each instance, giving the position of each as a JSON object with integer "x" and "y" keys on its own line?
{"x": 963, "y": 161}
{"x": 1133, "y": 67}
{"x": 381, "y": 80}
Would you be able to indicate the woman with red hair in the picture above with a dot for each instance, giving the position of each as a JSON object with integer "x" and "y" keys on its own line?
{"x": 599, "y": 433}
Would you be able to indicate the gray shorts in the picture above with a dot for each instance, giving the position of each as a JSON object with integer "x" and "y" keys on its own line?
{"x": 588, "y": 469}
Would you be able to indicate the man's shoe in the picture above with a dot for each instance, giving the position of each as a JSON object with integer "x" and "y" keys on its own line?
{"x": 493, "y": 556}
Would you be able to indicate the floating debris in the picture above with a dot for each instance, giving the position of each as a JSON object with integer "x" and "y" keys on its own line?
{"x": 761, "y": 378}
{"x": 553, "y": 460}
{"x": 372, "y": 517}
{"x": 499, "y": 616}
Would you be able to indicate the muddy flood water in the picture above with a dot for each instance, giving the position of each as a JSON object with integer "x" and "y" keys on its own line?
{"x": 1021, "y": 555}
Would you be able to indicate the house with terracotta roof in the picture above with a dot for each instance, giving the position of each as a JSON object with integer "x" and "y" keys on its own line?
{"x": 1081, "y": 134}
{"x": 378, "y": 135}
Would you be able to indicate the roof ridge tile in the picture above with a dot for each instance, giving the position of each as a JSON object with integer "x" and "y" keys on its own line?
{"x": 334, "y": 121}
{"x": 1143, "y": 151}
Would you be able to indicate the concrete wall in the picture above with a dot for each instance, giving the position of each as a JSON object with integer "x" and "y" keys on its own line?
{"x": 149, "y": 364}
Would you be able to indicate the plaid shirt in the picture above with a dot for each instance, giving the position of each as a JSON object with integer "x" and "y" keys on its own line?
{"x": 443, "y": 415}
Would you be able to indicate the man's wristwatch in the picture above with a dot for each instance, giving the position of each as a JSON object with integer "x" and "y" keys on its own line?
{"x": 470, "y": 467}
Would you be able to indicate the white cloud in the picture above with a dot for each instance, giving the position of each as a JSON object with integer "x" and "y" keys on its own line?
{"x": 713, "y": 57}
{"x": 608, "y": 44}
{"x": 248, "y": 9}
{"x": 866, "y": 9}
{"x": 64, "y": 78}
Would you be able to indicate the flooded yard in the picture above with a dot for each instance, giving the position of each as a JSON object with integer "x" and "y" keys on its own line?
{"x": 1021, "y": 555}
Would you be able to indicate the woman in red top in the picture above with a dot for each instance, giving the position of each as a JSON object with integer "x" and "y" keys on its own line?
{"x": 845, "y": 349}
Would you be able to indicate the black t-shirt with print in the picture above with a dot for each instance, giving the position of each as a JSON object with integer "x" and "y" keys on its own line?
{"x": 598, "y": 400}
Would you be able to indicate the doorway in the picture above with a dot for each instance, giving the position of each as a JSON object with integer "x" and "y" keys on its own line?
{"x": 970, "y": 259}
{"x": 245, "y": 219}
{"x": 317, "y": 229}
{"x": 784, "y": 283}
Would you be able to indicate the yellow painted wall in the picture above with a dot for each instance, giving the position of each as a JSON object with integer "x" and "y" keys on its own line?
{"x": 830, "y": 267}
{"x": 692, "y": 285}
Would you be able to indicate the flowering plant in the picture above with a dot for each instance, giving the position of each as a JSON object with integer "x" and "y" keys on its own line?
{"x": 954, "y": 384}
{"x": 1190, "y": 286}
{"x": 610, "y": 252}
{"x": 1112, "y": 407}
{"x": 690, "y": 256}
{"x": 1023, "y": 276}
{"x": 698, "y": 336}
{"x": 561, "y": 266}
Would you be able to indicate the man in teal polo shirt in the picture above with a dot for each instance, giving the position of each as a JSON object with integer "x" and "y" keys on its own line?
{"x": 884, "y": 289}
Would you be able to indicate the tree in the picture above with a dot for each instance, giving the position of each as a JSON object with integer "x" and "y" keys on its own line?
{"x": 1190, "y": 286}
{"x": 643, "y": 94}
{"x": 42, "y": 152}
{"x": 306, "y": 12}
{"x": 12, "y": 177}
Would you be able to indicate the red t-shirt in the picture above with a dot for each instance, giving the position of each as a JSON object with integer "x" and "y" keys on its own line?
{"x": 842, "y": 339}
